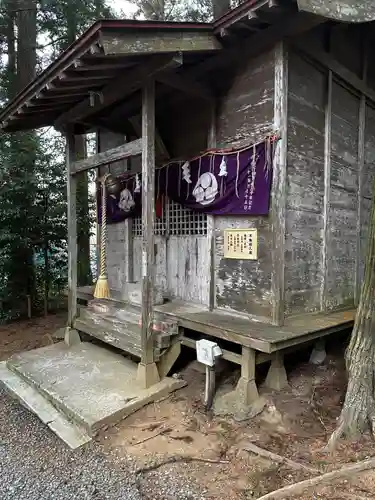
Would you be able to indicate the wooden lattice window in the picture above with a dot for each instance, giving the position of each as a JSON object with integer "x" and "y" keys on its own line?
{"x": 176, "y": 220}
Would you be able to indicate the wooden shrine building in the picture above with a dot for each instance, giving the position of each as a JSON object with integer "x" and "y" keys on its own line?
{"x": 295, "y": 78}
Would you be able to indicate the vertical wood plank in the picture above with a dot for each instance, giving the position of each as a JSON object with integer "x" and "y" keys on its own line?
{"x": 72, "y": 228}
{"x": 211, "y": 143}
{"x": 327, "y": 191}
{"x": 129, "y": 250}
{"x": 361, "y": 163}
{"x": 129, "y": 247}
{"x": 279, "y": 184}
{"x": 98, "y": 228}
{"x": 148, "y": 219}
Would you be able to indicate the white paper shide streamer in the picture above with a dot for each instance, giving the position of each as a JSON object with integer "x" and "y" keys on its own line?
{"x": 137, "y": 188}
{"x": 223, "y": 168}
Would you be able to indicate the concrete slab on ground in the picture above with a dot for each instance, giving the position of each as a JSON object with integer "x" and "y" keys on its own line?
{"x": 90, "y": 385}
{"x": 29, "y": 397}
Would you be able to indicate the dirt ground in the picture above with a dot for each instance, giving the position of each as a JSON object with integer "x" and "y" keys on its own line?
{"x": 295, "y": 424}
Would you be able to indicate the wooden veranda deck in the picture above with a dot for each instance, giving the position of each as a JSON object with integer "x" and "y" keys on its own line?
{"x": 262, "y": 337}
{"x": 259, "y": 342}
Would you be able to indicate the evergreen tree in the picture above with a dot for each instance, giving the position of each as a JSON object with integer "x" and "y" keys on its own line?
{"x": 174, "y": 10}
{"x": 32, "y": 172}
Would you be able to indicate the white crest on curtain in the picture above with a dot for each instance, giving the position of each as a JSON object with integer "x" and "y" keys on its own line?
{"x": 126, "y": 202}
{"x": 206, "y": 189}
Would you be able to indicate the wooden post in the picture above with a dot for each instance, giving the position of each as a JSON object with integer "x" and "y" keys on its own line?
{"x": 279, "y": 184}
{"x": 147, "y": 370}
{"x": 361, "y": 162}
{"x": 71, "y": 336}
{"x": 327, "y": 190}
{"x": 211, "y": 142}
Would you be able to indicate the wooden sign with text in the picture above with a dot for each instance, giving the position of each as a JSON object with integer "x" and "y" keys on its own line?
{"x": 241, "y": 244}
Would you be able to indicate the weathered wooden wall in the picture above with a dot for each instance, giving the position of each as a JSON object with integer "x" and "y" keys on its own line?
{"x": 305, "y": 186}
{"x": 181, "y": 266}
{"x": 331, "y": 139}
{"x": 246, "y": 115}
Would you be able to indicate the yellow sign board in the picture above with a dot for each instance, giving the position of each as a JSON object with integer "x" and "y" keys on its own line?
{"x": 241, "y": 244}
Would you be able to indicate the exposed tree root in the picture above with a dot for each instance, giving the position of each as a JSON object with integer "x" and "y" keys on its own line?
{"x": 250, "y": 447}
{"x": 298, "y": 488}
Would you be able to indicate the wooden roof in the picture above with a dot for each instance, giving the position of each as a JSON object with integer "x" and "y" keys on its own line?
{"x": 110, "y": 51}
{"x": 113, "y": 58}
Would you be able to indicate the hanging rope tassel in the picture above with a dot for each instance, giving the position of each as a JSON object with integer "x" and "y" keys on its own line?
{"x": 102, "y": 286}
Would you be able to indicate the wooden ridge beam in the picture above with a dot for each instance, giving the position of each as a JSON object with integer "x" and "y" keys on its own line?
{"x": 127, "y": 150}
{"x": 329, "y": 62}
{"x": 170, "y": 41}
{"x": 117, "y": 90}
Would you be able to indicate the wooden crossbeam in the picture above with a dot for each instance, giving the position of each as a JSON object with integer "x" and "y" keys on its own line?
{"x": 127, "y": 150}
{"x": 116, "y": 90}
{"x": 146, "y": 42}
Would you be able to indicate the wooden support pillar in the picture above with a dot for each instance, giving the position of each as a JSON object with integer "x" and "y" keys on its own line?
{"x": 361, "y": 162}
{"x": 278, "y": 208}
{"x": 211, "y": 143}
{"x": 71, "y": 335}
{"x": 147, "y": 370}
{"x": 327, "y": 191}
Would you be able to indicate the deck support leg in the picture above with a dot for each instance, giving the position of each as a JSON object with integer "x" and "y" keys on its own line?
{"x": 246, "y": 387}
{"x": 318, "y": 354}
{"x": 244, "y": 402}
{"x": 276, "y": 377}
{"x": 168, "y": 359}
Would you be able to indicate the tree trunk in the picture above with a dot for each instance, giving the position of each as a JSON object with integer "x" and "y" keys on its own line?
{"x": 358, "y": 412}
{"x": 21, "y": 268}
{"x": 220, "y": 7}
{"x": 26, "y": 43}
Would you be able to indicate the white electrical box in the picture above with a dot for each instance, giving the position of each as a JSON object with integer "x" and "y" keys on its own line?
{"x": 207, "y": 352}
